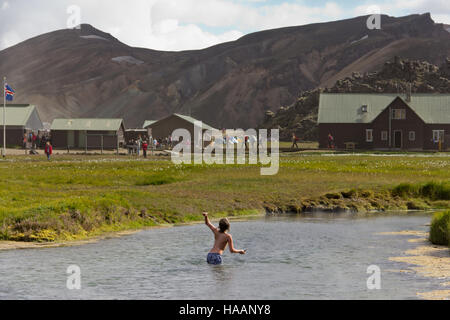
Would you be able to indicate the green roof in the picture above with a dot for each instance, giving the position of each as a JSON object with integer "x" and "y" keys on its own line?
{"x": 192, "y": 120}
{"x": 17, "y": 114}
{"x": 148, "y": 123}
{"x": 87, "y": 124}
{"x": 347, "y": 107}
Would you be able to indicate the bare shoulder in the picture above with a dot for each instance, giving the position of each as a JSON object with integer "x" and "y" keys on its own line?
{"x": 228, "y": 236}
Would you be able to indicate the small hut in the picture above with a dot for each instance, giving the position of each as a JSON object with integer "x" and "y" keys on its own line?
{"x": 97, "y": 134}
{"x": 21, "y": 119}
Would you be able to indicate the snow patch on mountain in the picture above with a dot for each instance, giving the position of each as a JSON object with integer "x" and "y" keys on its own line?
{"x": 362, "y": 39}
{"x": 94, "y": 37}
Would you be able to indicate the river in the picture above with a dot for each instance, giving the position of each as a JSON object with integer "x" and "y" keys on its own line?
{"x": 318, "y": 257}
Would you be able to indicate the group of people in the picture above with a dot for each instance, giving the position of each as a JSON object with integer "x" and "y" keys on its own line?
{"x": 138, "y": 145}
{"x": 143, "y": 144}
{"x": 34, "y": 141}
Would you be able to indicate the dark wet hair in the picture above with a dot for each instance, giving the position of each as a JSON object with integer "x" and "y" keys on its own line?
{"x": 224, "y": 225}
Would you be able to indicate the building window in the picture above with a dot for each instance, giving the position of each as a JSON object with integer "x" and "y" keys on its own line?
{"x": 438, "y": 135}
{"x": 369, "y": 135}
{"x": 384, "y": 135}
{"x": 412, "y": 136}
{"x": 399, "y": 114}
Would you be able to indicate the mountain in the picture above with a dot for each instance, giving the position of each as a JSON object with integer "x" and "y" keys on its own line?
{"x": 88, "y": 73}
{"x": 396, "y": 76}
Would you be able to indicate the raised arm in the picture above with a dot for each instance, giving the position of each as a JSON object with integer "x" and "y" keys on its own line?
{"x": 208, "y": 223}
{"x": 231, "y": 245}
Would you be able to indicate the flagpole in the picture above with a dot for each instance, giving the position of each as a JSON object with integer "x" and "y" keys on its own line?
{"x": 4, "y": 117}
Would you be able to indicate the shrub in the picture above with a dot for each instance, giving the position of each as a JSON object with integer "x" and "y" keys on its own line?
{"x": 436, "y": 191}
{"x": 405, "y": 190}
{"x": 440, "y": 228}
{"x": 432, "y": 191}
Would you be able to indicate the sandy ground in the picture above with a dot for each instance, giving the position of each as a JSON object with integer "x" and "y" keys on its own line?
{"x": 427, "y": 260}
{"x": 435, "y": 295}
{"x": 406, "y": 233}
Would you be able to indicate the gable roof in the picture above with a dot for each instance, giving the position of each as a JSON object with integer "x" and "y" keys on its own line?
{"x": 148, "y": 123}
{"x": 432, "y": 108}
{"x": 192, "y": 120}
{"x": 186, "y": 118}
{"x": 87, "y": 124}
{"x": 346, "y": 107}
{"x": 17, "y": 114}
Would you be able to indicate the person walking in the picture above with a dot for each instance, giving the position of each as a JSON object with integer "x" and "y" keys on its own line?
{"x": 136, "y": 147}
{"x": 38, "y": 142}
{"x": 43, "y": 142}
{"x": 48, "y": 150}
{"x": 139, "y": 145}
{"x": 33, "y": 141}
{"x": 25, "y": 140}
{"x": 145, "y": 148}
{"x": 330, "y": 141}
{"x": 294, "y": 141}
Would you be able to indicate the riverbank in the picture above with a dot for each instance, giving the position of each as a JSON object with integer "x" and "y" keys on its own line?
{"x": 427, "y": 260}
{"x": 79, "y": 198}
{"x": 21, "y": 245}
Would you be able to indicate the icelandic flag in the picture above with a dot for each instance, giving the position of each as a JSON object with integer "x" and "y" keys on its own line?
{"x": 9, "y": 93}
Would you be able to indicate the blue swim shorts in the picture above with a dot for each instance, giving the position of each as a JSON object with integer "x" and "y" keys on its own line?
{"x": 214, "y": 258}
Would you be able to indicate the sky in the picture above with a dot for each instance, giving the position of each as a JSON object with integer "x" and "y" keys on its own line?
{"x": 175, "y": 25}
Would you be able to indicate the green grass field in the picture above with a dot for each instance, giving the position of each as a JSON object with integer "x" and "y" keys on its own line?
{"x": 75, "y": 197}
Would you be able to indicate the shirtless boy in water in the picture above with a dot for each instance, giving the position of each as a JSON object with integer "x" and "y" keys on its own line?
{"x": 222, "y": 239}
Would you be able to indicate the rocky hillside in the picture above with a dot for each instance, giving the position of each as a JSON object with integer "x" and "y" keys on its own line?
{"x": 395, "y": 77}
{"x": 89, "y": 73}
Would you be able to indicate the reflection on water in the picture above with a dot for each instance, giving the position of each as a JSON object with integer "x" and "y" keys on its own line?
{"x": 288, "y": 258}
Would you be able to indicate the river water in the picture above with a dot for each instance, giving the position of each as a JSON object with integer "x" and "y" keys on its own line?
{"x": 319, "y": 257}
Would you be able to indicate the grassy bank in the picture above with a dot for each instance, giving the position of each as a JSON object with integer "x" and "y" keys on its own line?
{"x": 77, "y": 197}
{"x": 440, "y": 229}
